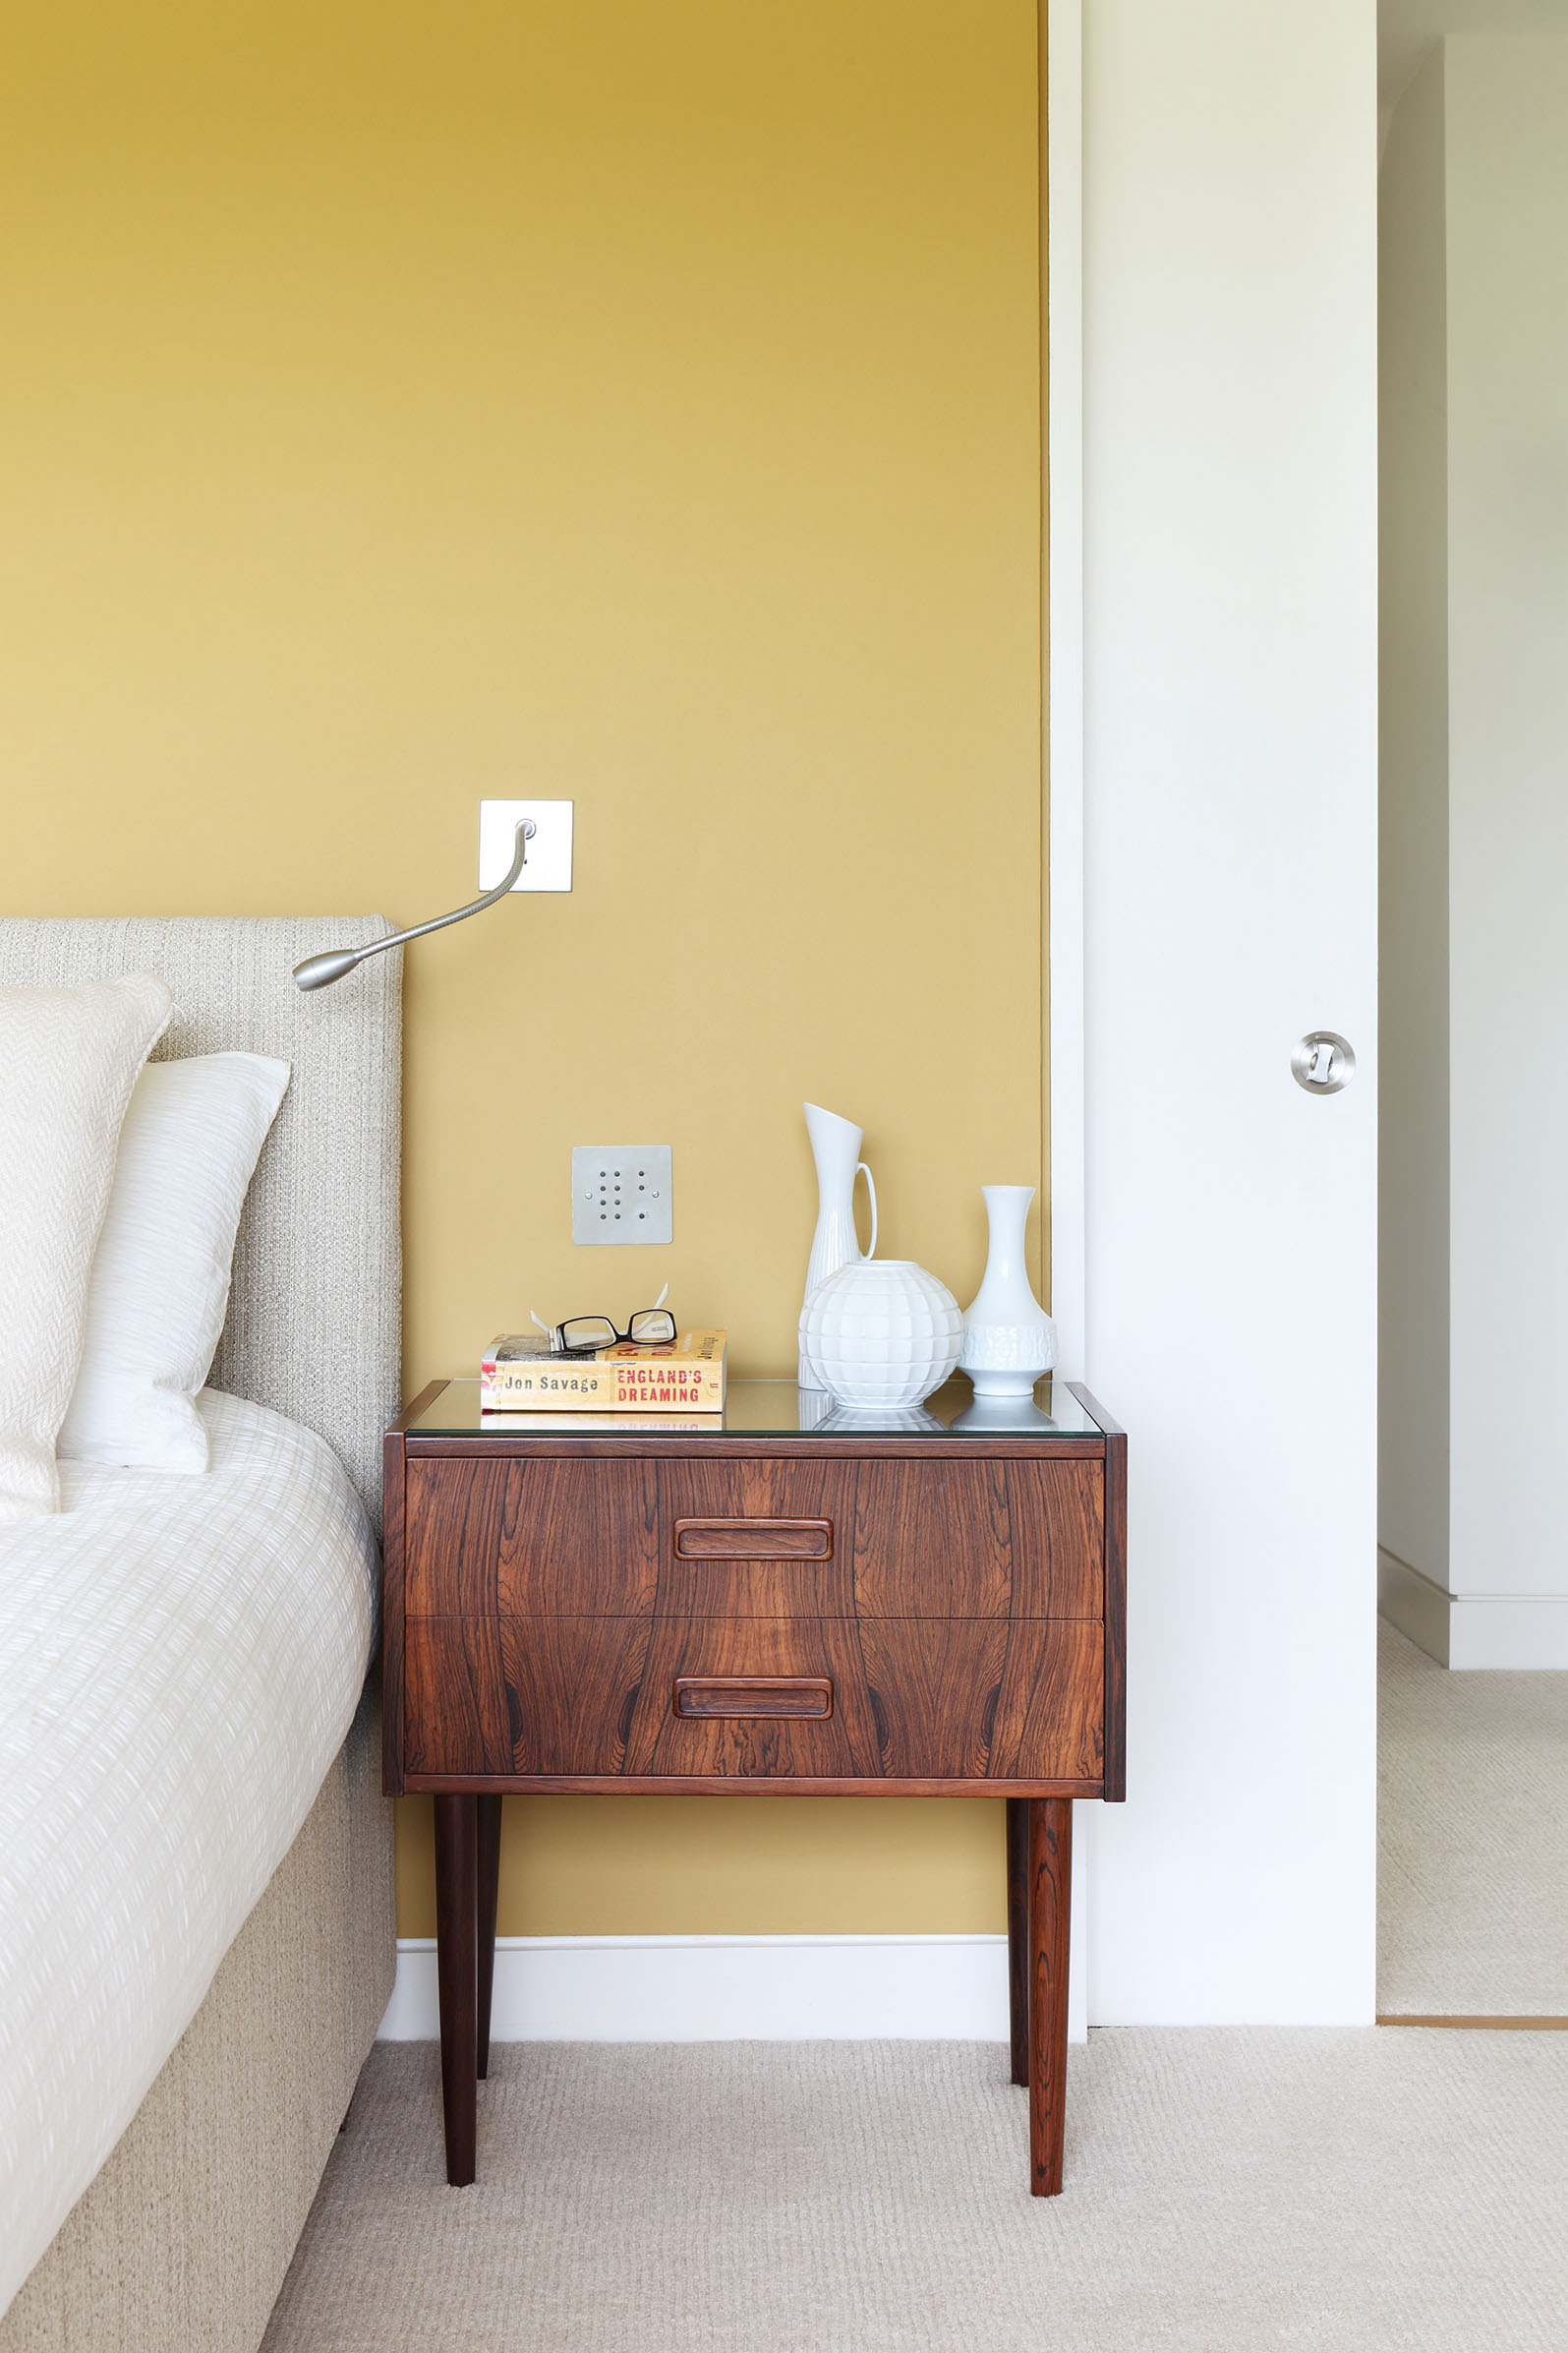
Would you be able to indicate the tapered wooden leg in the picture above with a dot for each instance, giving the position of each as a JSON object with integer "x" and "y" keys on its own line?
{"x": 488, "y": 1853}
{"x": 1050, "y": 1908}
{"x": 456, "y": 1896}
{"x": 1019, "y": 1933}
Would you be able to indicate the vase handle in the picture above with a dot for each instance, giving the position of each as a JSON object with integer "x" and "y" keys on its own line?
{"x": 862, "y": 1170}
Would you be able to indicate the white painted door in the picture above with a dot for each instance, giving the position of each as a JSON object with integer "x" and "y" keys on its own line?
{"x": 1214, "y": 1224}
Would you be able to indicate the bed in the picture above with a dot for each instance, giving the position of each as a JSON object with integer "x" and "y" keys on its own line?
{"x": 197, "y": 1941}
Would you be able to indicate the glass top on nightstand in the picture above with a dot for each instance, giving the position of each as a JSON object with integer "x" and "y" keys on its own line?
{"x": 778, "y": 1409}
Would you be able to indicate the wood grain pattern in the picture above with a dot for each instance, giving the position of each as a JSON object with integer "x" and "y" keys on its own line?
{"x": 486, "y": 1874}
{"x": 979, "y": 1698}
{"x": 753, "y": 1695}
{"x": 781, "y": 1588}
{"x": 1050, "y": 1905}
{"x": 935, "y": 1545}
{"x": 589, "y": 1698}
{"x": 570, "y": 1690}
{"x": 997, "y": 1539}
{"x": 710, "y": 1785}
{"x": 1056, "y": 1513}
{"x": 753, "y": 1539}
{"x": 454, "y": 1695}
{"x": 935, "y": 1686}
{"x": 724, "y": 1648}
{"x": 1018, "y": 1935}
{"x": 1115, "y": 1603}
{"x": 1052, "y": 1701}
{"x": 455, "y": 1959}
{"x": 512, "y": 1538}
{"x": 392, "y": 1589}
{"x": 769, "y": 1582}
{"x": 497, "y": 1565}
{"x": 1115, "y": 1616}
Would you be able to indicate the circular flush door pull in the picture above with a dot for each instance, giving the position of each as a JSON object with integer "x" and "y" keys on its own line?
{"x": 1323, "y": 1062}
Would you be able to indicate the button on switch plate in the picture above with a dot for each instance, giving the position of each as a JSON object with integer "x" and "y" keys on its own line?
{"x": 622, "y": 1193}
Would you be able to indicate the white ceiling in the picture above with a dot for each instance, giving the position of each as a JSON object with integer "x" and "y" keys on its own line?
{"x": 1407, "y": 29}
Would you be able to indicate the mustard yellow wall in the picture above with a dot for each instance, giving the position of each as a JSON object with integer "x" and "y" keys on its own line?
{"x": 635, "y": 403}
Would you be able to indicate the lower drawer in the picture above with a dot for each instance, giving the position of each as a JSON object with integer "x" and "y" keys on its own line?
{"x": 754, "y": 1698}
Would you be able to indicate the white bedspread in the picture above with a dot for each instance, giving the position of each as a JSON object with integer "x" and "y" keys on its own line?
{"x": 180, "y": 1660}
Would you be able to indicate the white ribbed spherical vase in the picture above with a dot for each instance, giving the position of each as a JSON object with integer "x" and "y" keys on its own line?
{"x": 882, "y": 1331}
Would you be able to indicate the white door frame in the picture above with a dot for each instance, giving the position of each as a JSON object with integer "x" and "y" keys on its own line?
{"x": 1063, "y": 128}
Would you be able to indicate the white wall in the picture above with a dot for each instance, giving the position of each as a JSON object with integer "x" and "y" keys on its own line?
{"x": 1490, "y": 219}
{"x": 1507, "y": 107}
{"x": 1407, "y": 31}
{"x": 1413, "y": 1170}
{"x": 1229, "y": 808}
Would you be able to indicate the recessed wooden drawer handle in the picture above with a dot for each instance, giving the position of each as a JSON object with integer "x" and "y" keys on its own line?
{"x": 753, "y": 1695}
{"x": 754, "y": 1539}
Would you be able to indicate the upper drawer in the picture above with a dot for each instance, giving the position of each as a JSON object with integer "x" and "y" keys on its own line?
{"x": 889, "y": 1537}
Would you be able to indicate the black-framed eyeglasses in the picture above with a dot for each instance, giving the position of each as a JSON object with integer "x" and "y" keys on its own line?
{"x": 649, "y": 1327}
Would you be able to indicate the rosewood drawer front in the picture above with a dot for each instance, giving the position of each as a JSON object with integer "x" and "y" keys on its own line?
{"x": 611, "y": 1698}
{"x": 882, "y": 1537}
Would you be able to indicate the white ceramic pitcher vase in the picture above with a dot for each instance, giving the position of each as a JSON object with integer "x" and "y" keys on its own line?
{"x": 836, "y": 1149}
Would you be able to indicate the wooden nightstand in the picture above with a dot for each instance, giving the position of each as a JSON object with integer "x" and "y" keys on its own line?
{"x": 833, "y": 1606}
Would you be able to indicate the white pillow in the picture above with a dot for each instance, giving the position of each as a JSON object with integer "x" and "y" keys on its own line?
{"x": 68, "y": 1062}
{"x": 160, "y": 1280}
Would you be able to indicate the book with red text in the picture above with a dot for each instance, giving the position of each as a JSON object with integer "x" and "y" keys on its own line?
{"x": 520, "y": 1373}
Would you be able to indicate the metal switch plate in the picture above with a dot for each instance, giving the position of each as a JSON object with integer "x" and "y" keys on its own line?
{"x": 622, "y": 1191}
{"x": 549, "y": 863}
{"x": 1323, "y": 1062}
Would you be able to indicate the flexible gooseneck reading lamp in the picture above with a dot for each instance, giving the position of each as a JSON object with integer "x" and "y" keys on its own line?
{"x": 320, "y": 971}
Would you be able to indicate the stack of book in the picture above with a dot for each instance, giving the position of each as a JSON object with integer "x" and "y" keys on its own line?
{"x": 521, "y": 1374}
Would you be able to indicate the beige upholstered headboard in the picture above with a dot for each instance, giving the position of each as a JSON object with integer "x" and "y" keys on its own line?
{"x": 314, "y": 1313}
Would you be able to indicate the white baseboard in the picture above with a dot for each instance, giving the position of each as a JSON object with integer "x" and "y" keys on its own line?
{"x": 1512, "y": 1631}
{"x": 724, "y": 1988}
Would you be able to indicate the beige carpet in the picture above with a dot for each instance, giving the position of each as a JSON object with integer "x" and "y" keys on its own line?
{"x": 1473, "y": 1840}
{"x": 1229, "y": 2189}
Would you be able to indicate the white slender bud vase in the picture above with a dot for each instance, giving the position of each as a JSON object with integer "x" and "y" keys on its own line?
{"x": 1008, "y": 1339}
{"x": 836, "y": 1149}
